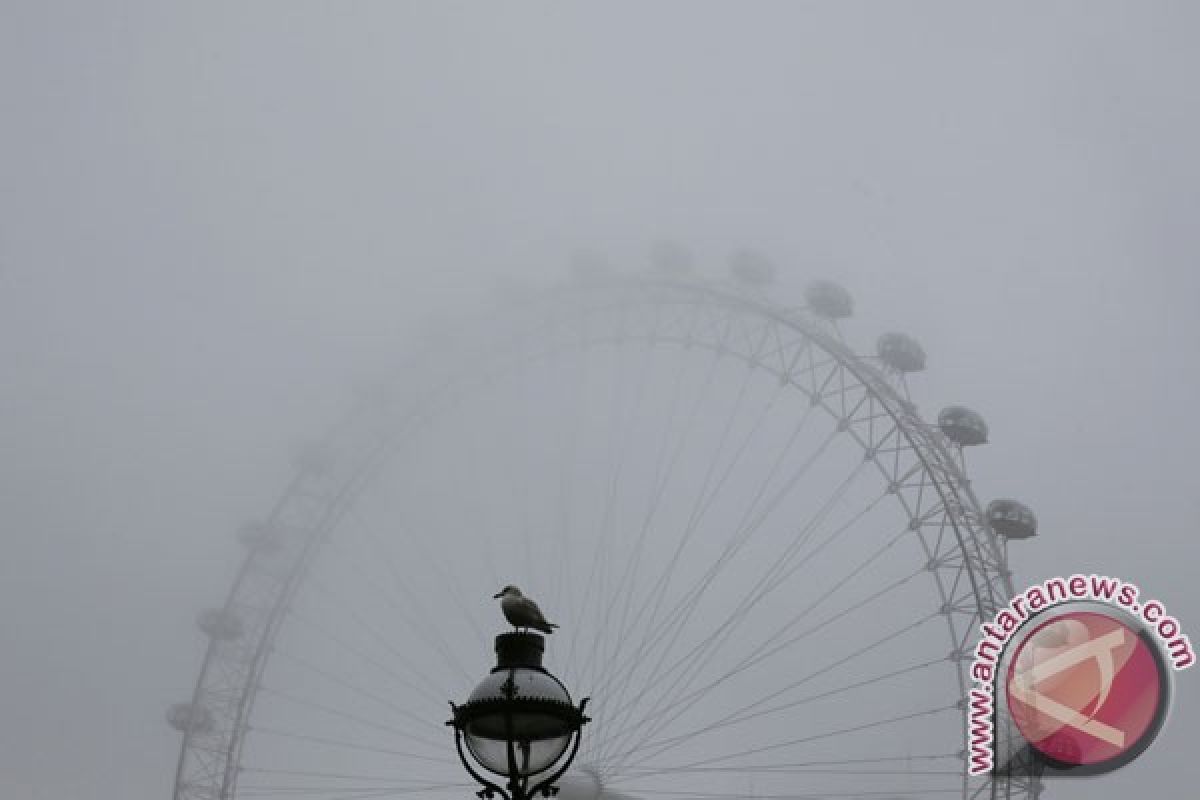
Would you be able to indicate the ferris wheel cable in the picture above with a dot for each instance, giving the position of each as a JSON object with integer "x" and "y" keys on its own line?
{"x": 431, "y": 694}
{"x": 300, "y": 789}
{"x": 807, "y": 796}
{"x": 663, "y": 471}
{"x": 345, "y": 792}
{"x": 260, "y": 730}
{"x": 855, "y": 772}
{"x": 653, "y": 634}
{"x": 701, "y": 396}
{"x": 760, "y": 420}
{"x": 658, "y": 673}
{"x": 661, "y": 584}
{"x": 797, "y": 764}
{"x": 377, "y": 782}
{"x": 831, "y": 734}
{"x": 617, "y": 387}
{"x": 622, "y": 758}
{"x": 753, "y": 364}
{"x": 758, "y": 592}
{"x": 403, "y": 612}
{"x": 606, "y": 525}
{"x": 663, "y": 476}
{"x": 337, "y": 712}
{"x": 788, "y": 569}
{"x": 654, "y": 748}
{"x": 447, "y": 577}
{"x": 664, "y": 463}
{"x": 738, "y": 716}
{"x": 414, "y": 604}
{"x": 353, "y": 687}
{"x": 390, "y": 780}
{"x": 771, "y": 641}
{"x": 327, "y": 793}
{"x": 564, "y": 498}
{"x": 663, "y": 579}
{"x": 816, "y": 673}
{"x": 368, "y": 794}
{"x": 441, "y": 787}
{"x": 744, "y": 532}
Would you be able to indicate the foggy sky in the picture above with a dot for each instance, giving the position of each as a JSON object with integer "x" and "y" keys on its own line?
{"x": 220, "y": 219}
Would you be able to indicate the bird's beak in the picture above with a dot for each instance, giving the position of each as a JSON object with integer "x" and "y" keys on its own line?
{"x": 497, "y": 595}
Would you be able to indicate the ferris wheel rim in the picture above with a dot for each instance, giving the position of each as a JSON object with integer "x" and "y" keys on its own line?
{"x": 962, "y": 508}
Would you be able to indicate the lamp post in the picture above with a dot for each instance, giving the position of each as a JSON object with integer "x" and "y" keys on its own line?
{"x": 519, "y": 723}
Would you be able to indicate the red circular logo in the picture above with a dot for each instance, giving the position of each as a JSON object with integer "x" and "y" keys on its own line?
{"x": 1087, "y": 690}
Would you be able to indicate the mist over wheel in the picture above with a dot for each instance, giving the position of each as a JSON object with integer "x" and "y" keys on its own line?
{"x": 768, "y": 568}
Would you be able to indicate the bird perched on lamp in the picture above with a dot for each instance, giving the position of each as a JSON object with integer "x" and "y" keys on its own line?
{"x": 521, "y": 612}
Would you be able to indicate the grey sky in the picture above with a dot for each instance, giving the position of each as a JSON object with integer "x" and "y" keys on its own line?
{"x": 221, "y": 218}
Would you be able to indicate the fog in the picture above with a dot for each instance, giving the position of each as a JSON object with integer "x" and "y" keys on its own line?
{"x": 224, "y": 224}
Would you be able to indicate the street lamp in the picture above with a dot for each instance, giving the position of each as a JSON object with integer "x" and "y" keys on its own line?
{"x": 519, "y": 723}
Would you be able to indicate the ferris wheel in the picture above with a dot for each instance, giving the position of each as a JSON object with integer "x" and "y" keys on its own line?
{"x": 769, "y": 570}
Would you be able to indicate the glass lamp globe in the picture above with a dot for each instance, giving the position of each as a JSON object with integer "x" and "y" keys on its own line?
{"x": 537, "y": 720}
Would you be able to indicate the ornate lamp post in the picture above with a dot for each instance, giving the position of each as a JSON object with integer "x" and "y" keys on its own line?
{"x": 519, "y": 723}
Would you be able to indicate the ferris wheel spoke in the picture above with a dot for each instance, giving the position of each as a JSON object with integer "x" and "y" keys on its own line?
{"x": 365, "y": 785}
{"x": 350, "y": 717}
{"x": 802, "y": 680}
{"x": 606, "y": 539}
{"x": 848, "y": 795}
{"x": 384, "y": 783}
{"x": 682, "y": 611}
{"x": 411, "y": 606}
{"x": 343, "y": 744}
{"x": 662, "y": 582}
{"x": 351, "y": 686}
{"x": 616, "y": 677}
{"x": 758, "y": 591}
{"x": 745, "y": 714}
{"x": 326, "y": 793}
{"x": 616, "y": 451}
{"x": 565, "y": 497}
{"x": 652, "y": 636}
{"x": 857, "y": 763}
{"x": 447, "y": 577}
{"x": 431, "y": 689}
{"x": 824, "y": 735}
{"x": 685, "y": 611}
{"x": 757, "y": 656}
{"x": 666, "y": 458}
{"x": 770, "y": 645}
{"x": 682, "y": 704}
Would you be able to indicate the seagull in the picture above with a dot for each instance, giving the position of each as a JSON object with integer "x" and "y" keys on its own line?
{"x": 521, "y": 612}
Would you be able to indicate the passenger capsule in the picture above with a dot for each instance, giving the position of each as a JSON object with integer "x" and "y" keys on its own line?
{"x": 751, "y": 268}
{"x": 963, "y": 426}
{"x": 1011, "y": 519}
{"x": 900, "y": 352}
{"x": 219, "y": 624}
{"x": 829, "y": 300}
{"x": 188, "y": 718}
{"x": 670, "y": 259}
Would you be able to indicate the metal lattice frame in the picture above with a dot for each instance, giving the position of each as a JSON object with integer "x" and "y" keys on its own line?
{"x": 920, "y": 466}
